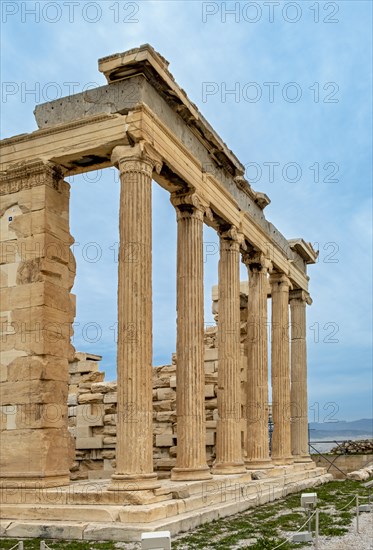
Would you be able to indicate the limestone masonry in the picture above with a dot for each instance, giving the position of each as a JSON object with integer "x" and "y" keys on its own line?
{"x": 177, "y": 445}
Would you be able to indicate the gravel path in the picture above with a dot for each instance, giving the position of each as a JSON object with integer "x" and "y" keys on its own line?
{"x": 352, "y": 540}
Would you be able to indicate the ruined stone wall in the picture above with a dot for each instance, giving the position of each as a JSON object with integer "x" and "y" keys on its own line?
{"x": 92, "y": 408}
{"x": 92, "y": 414}
{"x": 343, "y": 464}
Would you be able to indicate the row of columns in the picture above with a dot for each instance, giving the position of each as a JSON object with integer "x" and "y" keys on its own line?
{"x": 134, "y": 466}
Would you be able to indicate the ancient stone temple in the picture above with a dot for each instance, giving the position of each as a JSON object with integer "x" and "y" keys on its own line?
{"x": 142, "y": 123}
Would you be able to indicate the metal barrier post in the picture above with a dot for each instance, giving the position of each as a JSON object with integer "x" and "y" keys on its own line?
{"x": 309, "y": 520}
{"x": 357, "y": 513}
{"x": 317, "y": 529}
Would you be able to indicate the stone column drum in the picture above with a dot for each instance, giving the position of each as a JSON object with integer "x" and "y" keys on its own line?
{"x": 190, "y": 400}
{"x": 257, "y": 450}
{"x": 228, "y": 431}
{"x": 37, "y": 310}
{"x": 281, "y": 440}
{"x": 299, "y": 404}
{"x": 134, "y": 455}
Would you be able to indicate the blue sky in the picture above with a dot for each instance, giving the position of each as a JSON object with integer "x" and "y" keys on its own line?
{"x": 302, "y": 105}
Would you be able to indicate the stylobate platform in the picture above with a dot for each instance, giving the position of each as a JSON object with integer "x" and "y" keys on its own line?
{"x": 89, "y": 511}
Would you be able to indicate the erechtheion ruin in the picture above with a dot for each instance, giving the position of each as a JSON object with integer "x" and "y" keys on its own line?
{"x": 142, "y": 123}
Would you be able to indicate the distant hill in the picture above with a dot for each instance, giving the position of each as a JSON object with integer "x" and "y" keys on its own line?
{"x": 343, "y": 428}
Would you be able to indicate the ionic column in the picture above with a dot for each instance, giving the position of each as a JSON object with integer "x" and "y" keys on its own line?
{"x": 228, "y": 432}
{"x": 281, "y": 440}
{"x": 257, "y": 446}
{"x": 299, "y": 405}
{"x": 190, "y": 375}
{"x": 134, "y": 454}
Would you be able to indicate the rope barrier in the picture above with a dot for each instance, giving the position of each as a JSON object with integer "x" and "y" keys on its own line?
{"x": 355, "y": 498}
{"x": 348, "y": 504}
{"x": 300, "y": 528}
{"x": 17, "y": 546}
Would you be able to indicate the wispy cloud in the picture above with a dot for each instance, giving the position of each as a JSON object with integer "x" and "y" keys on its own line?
{"x": 310, "y": 132}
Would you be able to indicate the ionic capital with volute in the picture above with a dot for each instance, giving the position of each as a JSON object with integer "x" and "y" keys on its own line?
{"x": 256, "y": 261}
{"x": 141, "y": 157}
{"x": 231, "y": 236}
{"x": 300, "y": 295}
{"x": 280, "y": 281}
{"x": 189, "y": 204}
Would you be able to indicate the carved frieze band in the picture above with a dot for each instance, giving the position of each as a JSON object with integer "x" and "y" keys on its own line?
{"x": 31, "y": 174}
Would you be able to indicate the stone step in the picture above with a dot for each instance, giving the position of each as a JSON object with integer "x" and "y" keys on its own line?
{"x": 176, "y": 519}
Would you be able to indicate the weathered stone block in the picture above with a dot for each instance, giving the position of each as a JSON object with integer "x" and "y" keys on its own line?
{"x": 166, "y": 463}
{"x": 104, "y": 387}
{"x": 165, "y": 394}
{"x": 46, "y": 367}
{"x": 209, "y": 390}
{"x": 110, "y": 397}
{"x": 72, "y": 399}
{"x": 161, "y": 382}
{"x": 167, "y": 416}
{"x": 210, "y": 438}
{"x": 33, "y": 391}
{"x": 110, "y": 419}
{"x": 52, "y": 320}
{"x": 162, "y": 405}
{"x": 83, "y": 366}
{"x": 39, "y": 342}
{"x": 106, "y": 454}
{"x": 165, "y": 440}
{"x": 89, "y": 442}
{"x": 163, "y": 428}
{"x": 211, "y": 354}
{"x": 41, "y": 221}
{"x": 90, "y": 398}
{"x": 110, "y": 430}
{"x": 90, "y": 414}
{"x": 109, "y": 441}
{"x": 83, "y": 432}
{"x": 36, "y": 294}
{"x": 209, "y": 367}
{"x": 211, "y": 424}
{"x": 34, "y": 453}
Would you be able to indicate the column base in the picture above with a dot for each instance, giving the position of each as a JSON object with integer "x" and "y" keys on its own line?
{"x": 302, "y": 458}
{"x": 228, "y": 468}
{"x": 282, "y": 461}
{"x": 140, "y": 482}
{"x": 263, "y": 464}
{"x": 34, "y": 482}
{"x": 191, "y": 474}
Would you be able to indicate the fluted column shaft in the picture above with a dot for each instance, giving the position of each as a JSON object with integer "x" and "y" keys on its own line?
{"x": 257, "y": 442}
{"x": 190, "y": 376}
{"x": 228, "y": 431}
{"x": 299, "y": 404}
{"x": 280, "y": 358}
{"x": 134, "y": 451}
